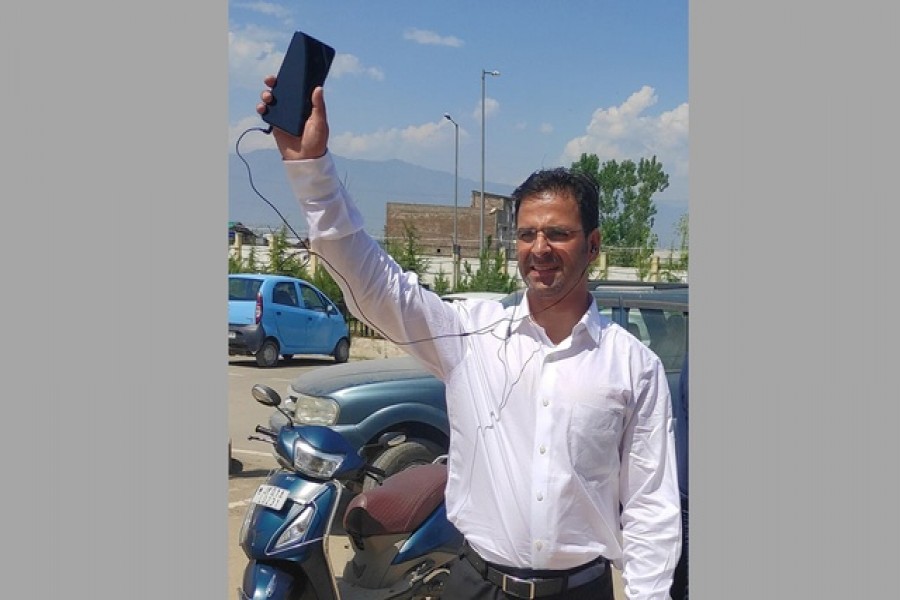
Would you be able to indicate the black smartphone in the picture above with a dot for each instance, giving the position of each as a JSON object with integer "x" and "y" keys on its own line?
{"x": 305, "y": 66}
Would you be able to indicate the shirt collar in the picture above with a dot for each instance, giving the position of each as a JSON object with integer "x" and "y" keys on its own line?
{"x": 517, "y": 314}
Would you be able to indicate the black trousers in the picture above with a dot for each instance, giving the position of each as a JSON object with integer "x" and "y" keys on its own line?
{"x": 465, "y": 583}
{"x": 679, "y": 589}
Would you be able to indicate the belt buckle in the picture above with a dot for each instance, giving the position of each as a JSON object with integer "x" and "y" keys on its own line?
{"x": 515, "y": 580}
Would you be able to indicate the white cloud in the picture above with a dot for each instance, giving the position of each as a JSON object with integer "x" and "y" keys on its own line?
{"x": 627, "y": 132}
{"x": 414, "y": 143}
{"x": 251, "y": 56}
{"x": 546, "y": 128}
{"x": 422, "y": 36}
{"x": 348, "y": 64}
{"x": 491, "y": 107}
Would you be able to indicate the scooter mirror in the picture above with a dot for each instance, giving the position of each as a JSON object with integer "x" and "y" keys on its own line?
{"x": 265, "y": 395}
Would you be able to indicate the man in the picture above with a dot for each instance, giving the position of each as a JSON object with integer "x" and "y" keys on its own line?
{"x": 561, "y": 451}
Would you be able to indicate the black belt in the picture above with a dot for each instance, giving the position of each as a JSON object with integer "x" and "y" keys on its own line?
{"x": 522, "y": 585}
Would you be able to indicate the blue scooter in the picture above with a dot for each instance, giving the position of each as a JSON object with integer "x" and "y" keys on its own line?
{"x": 399, "y": 543}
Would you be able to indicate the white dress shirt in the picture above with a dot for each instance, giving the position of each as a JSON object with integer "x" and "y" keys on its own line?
{"x": 547, "y": 441}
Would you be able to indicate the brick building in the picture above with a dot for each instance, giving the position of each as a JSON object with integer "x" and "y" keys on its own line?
{"x": 434, "y": 224}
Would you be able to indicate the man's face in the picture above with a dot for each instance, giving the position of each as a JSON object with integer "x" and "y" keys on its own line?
{"x": 552, "y": 250}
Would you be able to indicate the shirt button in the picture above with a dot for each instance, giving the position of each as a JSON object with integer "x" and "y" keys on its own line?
{"x": 540, "y": 496}
{"x": 543, "y": 449}
{"x": 546, "y": 402}
{"x": 539, "y": 545}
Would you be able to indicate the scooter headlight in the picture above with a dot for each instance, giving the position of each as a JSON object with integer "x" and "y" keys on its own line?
{"x": 297, "y": 529}
{"x": 315, "y": 463}
{"x": 245, "y": 526}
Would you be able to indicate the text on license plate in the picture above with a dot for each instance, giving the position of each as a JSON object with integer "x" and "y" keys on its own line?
{"x": 270, "y": 496}
{"x": 231, "y": 335}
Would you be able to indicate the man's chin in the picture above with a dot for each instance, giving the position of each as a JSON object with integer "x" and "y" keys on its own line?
{"x": 543, "y": 285}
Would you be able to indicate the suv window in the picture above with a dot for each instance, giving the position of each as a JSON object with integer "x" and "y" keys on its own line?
{"x": 664, "y": 331}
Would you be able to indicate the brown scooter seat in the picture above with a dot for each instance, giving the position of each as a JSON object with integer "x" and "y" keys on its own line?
{"x": 399, "y": 505}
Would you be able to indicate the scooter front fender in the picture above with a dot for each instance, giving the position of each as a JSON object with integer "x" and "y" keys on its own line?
{"x": 266, "y": 582}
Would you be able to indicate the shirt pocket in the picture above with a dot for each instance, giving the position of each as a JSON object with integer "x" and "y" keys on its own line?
{"x": 595, "y": 430}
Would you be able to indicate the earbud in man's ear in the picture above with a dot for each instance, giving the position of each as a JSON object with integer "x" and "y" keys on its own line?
{"x": 593, "y": 249}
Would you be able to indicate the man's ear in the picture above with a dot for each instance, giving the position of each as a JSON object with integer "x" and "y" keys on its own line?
{"x": 594, "y": 243}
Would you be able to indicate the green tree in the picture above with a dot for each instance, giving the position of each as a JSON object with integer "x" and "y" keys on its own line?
{"x": 283, "y": 259}
{"x": 441, "y": 284}
{"x": 492, "y": 275}
{"x": 627, "y": 209}
{"x": 236, "y": 264}
{"x": 682, "y": 230}
{"x": 407, "y": 251}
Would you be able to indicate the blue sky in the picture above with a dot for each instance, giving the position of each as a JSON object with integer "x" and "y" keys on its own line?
{"x": 596, "y": 76}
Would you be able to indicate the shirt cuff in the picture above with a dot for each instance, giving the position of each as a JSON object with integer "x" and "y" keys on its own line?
{"x": 329, "y": 210}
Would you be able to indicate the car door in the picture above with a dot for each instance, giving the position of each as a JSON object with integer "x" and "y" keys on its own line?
{"x": 320, "y": 325}
{"x": 291, "y": 322}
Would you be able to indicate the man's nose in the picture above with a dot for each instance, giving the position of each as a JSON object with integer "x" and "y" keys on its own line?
{"x": 540, "y": 244}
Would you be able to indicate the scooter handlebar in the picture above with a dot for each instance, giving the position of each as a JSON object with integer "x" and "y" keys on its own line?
{"x": 266, "y": 431}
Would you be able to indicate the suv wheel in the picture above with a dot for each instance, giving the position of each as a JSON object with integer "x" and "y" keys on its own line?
{"x": 393, "y": 460}
{"x": 267, "y": 355}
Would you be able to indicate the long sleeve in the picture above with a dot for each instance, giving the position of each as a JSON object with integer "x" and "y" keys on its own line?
{"x": 651, "y": 510}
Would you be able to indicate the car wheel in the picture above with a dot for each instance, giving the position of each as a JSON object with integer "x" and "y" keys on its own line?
{"x": 393, "y": 460}
{"x": 267, "y": 355}
{"x": 341, "y": 352}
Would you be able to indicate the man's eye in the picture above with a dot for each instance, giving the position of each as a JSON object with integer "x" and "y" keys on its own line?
{"x": 551, "y": 234}
{"x": 526, "y": 235}
{"x": 556, "y": 235}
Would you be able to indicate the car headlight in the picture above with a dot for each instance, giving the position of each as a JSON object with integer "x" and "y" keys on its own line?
{"x": 311, "y": 410}
{"x": 315, "y": 463}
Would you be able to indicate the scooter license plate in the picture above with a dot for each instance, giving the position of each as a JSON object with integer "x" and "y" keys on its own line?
{"x": 270, "y": 496}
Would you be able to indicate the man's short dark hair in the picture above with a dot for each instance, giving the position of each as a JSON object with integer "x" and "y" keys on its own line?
{"x": 561, "y": 180}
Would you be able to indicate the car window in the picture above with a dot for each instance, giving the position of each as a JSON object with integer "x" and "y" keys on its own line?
{"x": 311, "y": 298}
{"x": 636, "y": 326}
{"x": 284, "y": 293}
{"x": 664, "y": 331}
{"x": 241, "y": 288}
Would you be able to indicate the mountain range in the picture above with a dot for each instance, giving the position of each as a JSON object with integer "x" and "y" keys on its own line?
{"x": 372, "y": 184}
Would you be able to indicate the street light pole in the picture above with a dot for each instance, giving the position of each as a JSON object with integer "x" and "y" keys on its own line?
{"x": 456, "y": 251}
{"x": 481, "y": 233}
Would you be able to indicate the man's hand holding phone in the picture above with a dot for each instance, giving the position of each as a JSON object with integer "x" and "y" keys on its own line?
{"x": 313, "y": 141}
